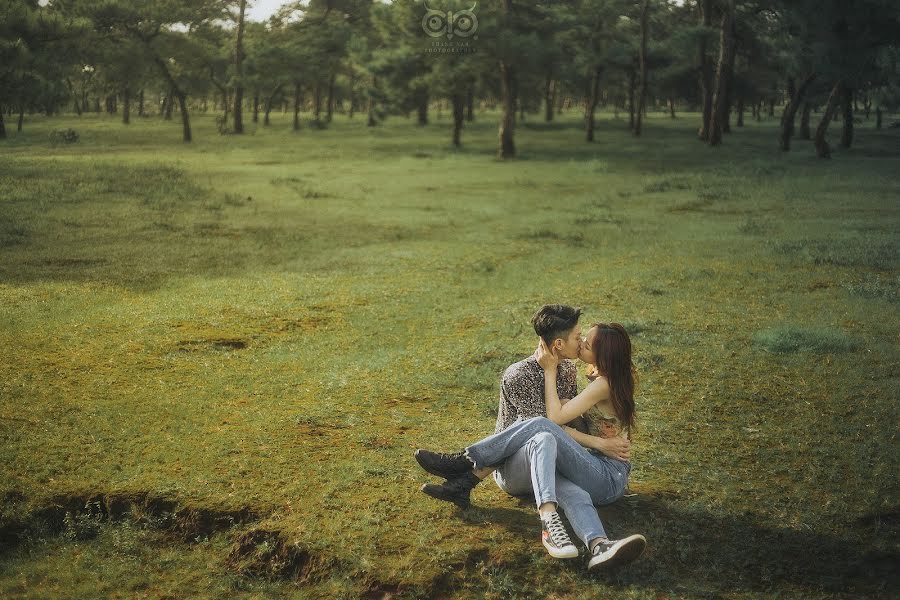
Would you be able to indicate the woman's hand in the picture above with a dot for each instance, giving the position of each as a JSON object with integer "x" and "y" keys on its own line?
{"x": 618, "y": 448}
{"x": 546, "y": 358}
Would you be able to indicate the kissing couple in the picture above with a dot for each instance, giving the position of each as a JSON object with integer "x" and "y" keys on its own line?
{"x": 570, "y": 450}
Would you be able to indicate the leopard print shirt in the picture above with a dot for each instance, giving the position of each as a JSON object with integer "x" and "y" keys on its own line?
{"x": 522, "y": 390}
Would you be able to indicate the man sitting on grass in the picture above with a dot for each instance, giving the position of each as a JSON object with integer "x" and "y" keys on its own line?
{"x": 530, "y": 441}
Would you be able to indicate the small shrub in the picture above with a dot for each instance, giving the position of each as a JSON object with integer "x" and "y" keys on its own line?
{"x": 753, "y": 226}
{"x": 790, "y": 338}
{"x": 634, "y": 327}
{"x": 222, "y": 125}
{"x": 81, "y": 526}
{"x": 873, "y": 286}
{"x": 63, "y": 136}
{"x": 667, "y": 185}
{"x": 843, "y": 253}
{"x": 547, "y": 235}
{"x": 855, "y": 253}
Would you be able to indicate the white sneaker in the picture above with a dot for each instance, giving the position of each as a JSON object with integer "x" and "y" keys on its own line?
{"x": 555, "y": 538}
{"x": 615, "y": 553}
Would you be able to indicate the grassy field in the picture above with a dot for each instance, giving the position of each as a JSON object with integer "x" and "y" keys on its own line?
{"x": 217, "y": 358}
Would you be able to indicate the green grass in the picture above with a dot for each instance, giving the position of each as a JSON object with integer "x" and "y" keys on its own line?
{"x": 230, "y": 349}
{"x": 790, "y": 338}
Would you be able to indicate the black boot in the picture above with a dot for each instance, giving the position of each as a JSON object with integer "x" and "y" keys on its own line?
{"x": 455, "y": 490}
{"x": 444, "y": 465}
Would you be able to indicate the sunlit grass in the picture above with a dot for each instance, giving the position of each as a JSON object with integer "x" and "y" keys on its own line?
{"x": 273, "y": 322}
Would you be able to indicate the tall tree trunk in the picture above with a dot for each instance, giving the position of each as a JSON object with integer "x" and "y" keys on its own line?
{"x": 470, "y": 103}
{"x": 317, "y": 102}
{"x": 706, "y": 74}
{"x": 787, "y": 117}
{"x": 823, "y": 150}
{"x": 867, "y": 105}
{"x": 506, "y": 143}
{"x": 804, "y": 120}
{"x": 296, "y": 106}
{"x": 878, "y": 117}
{"x": 75, "y": 103}
{"x": 422, "y": 109}
{"x": 352, "y": 93}
{"x": 729, "y": 74}
{"x": 740, "y": 112}
{"x": 21, "y": 117}
{"x": 632, "y": 83}
{"x": 126, "y": 105}
{"x": 225, "y": 104}
{"x": 329, "y": 106}
{"x": 771, "y": 107}
{"x": 170, "y": 101}
{"x": 269, "y": 100}
{"x": 847, "y": 132}
{"x": 185, "y": 120}
{"x": 506, "y": 147}
{"x": 141, "y": 103}
{"x": 182, "y": 98}
{"x": 371, "y": 122}
{"x": 548, "y": 96}
{"x": 2, "y": 125}
{"x": 459, "y": 107}
{"x": 642, "y": 59}
{"x": 591, "y": 107}
{"x": 239, "y": 72}
{"x": 726, "y": 50}
{"x": 758, "y": 107}
{"x": 256, "y": 106}
{"x": 671, "y": 107}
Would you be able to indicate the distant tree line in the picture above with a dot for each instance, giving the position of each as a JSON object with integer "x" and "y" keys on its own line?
{"x": 722, "y": 58}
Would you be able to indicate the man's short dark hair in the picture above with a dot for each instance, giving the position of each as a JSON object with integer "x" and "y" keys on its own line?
{"x": 553, "y": 321}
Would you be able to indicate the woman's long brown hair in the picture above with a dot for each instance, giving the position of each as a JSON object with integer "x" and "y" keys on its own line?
{"x": 612, "y": 350}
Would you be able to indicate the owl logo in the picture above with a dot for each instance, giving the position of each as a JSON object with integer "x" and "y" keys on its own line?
{"x": 462, "y": 23}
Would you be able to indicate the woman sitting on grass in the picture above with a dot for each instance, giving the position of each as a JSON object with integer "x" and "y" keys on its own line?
{"x": 556, "y": 459}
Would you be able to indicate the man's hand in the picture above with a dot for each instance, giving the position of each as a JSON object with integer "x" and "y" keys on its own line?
{"x": 618, "y": 448}
{"x": 546, "y": 357}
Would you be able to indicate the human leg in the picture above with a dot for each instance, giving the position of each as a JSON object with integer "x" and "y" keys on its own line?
{"x": 580, "y": 510}
{"x": 602, "y": 477}
{"x": 527, "y": 471}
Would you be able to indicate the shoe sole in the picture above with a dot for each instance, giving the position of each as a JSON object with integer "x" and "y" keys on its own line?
{"x": 436, "y": 494}
{"x": 623, "y": 552}
{"x": 561, "y": 553}
{"x": 436, "y": 471}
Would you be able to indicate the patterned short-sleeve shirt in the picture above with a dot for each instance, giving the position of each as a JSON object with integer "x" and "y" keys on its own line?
{"x": 522, "y": 390}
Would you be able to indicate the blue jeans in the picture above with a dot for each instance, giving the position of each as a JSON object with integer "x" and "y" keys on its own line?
{"x": 538, "y": 456}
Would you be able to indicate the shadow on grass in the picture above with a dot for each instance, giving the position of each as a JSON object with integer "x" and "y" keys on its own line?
{"x": 693, "y": 550}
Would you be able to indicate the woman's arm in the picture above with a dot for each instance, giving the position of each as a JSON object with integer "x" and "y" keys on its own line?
{"x": 557, "y": 412}
{"x": 614, "y": 447}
